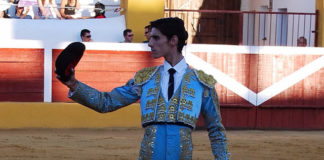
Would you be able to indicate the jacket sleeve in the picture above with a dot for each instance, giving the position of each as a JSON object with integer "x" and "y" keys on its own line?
{"x": 216, "y": 131}
{"x": 105, "y": 101}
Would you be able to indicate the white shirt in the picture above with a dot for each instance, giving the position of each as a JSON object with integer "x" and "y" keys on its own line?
{"x": 178, "y": 75}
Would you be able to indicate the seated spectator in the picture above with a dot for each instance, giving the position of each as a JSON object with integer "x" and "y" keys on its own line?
{"x": 128, "y": 35}
{"x": 47, "y": 10}
{"x": 5, "y": 5}
{"x": 21, "y": 12}
{"x": 302, "y": 42}
{"x": 99, "y": 10}
{"x": 68, "y": 8}
{"x": 85, "y": 35}
{"x": 30, "y": 5}
{"x": 8, "y": 7}
{"x": 3, "y": 14}
{"x": 147, "y": 33}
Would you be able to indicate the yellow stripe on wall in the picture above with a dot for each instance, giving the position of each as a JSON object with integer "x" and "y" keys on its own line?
{"x": 64, "y": 115}
{"x": 320, "y": 8}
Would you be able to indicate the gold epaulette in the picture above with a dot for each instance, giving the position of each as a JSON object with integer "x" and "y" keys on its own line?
{"x": 144, "y": 75}
{"x": 207, "y": 80}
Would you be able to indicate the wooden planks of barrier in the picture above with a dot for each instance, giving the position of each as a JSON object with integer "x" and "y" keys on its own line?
{"x": 21, "y": 75}
{"x": 104, "y": 70}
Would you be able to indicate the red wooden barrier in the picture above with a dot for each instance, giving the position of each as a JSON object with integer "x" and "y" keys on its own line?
{"x": 299, "y": 107}
{"x": 21, "y": 75}
{"x": 104, "y": 70}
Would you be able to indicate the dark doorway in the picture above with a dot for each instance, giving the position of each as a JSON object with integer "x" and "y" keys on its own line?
{"x": 218, "y": 27}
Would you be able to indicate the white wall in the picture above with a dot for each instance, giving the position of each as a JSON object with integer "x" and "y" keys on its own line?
{"x": 296, "y": 25}
{"x": 102, "y": 30}
{"x": 245, "y": 5}
{"x": 292, "y": 5}
{"x": 308, "y": 6}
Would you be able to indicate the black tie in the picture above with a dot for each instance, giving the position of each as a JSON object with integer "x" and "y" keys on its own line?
{"x": 171, "y": 82}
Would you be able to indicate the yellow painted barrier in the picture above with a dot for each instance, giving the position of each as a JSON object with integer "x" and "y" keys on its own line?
{"x": 320, "y": 8}
{"x": 139, "y": 13}
{"x": 64, "y": 115}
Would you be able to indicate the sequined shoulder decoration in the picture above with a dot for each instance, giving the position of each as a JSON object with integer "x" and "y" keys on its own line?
{"x": 205, "y": 79}
{"x": 145, "y": 74}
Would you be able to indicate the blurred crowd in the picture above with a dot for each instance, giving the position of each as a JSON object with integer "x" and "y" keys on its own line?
{"x": 50, "y": 9}
{"x": 65, "y": 9}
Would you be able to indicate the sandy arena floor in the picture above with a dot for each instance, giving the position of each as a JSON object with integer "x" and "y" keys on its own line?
{"x": 123, "y": 144}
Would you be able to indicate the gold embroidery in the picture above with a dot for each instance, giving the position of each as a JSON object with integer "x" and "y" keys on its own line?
{"x": 185, "y": 90}
{"x": 157, "y": 78}
{"x": 171, "y": 113}
{"x": 150, "y": 104}
{"x": 161, "y": 100}
{"x": 184, "y": 104}
{"x": 206, "y": 79}
{"x": 153, "y": 91}
{"x": 144, "y": 74}
{"x": 161, "y": 116}
{"x": 187, "y": 119}
{"x": 185, "y": 144}
{"x": 187, "y": 116}
{"x": 149, "y": 92}
{"x": 175, "y": 100}
{"x": 171, "y": 108}
{"x": 148, "y": 143}
{"x": 171, "y": 117}
{"x": 180, "y": 116}
{"x": 192, "y": 92}
{"x": 156, "y": 90}
{"x": 187, "y": 76}
{"x": 147, "y": 117}
{"x": 161, "y": 109}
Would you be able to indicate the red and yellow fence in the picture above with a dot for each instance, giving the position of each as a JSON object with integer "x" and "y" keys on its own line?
{"x": 258, "y": 87}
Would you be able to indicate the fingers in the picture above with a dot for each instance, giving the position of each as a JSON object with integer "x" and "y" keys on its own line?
{"x": 60, "y": 79}
{"x": 70, "y": 82}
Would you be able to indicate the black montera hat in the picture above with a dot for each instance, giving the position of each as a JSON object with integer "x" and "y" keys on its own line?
{"x": 68, "y": 59}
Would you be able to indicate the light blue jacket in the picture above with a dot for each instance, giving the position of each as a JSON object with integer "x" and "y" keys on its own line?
{"x": 195, "y": 95}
